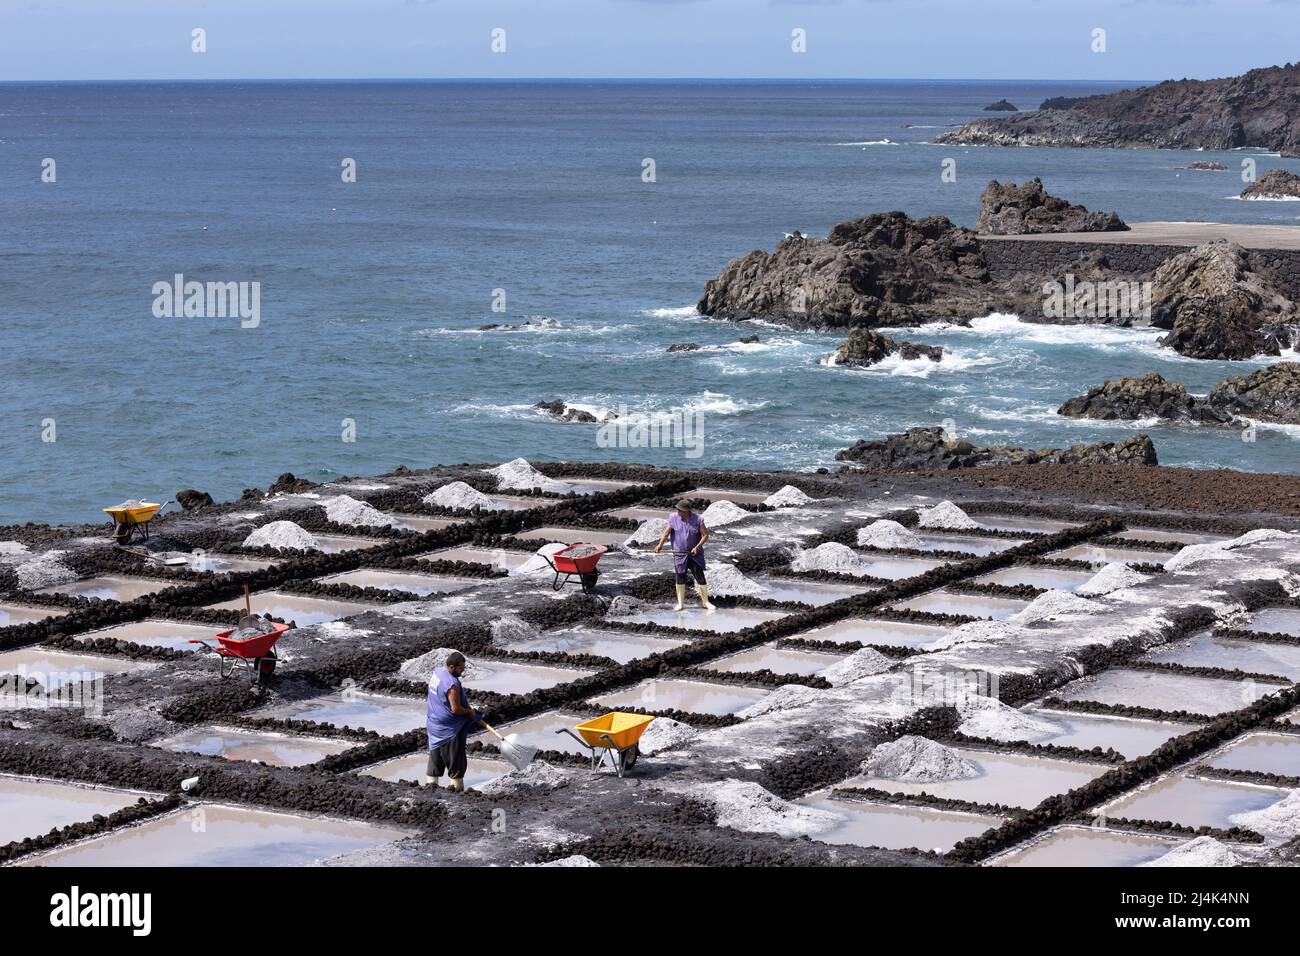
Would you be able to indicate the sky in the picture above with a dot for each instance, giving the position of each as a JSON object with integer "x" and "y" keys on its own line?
{"x": 900, "y": 39}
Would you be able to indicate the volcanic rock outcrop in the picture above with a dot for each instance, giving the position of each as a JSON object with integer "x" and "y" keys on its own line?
{"x": 1131, "y": 398}
{"x": 1274, "y": 184}
{"x": 1259, "y": 108}
{"x": 925, "y": 449}
{"x": 866, "y": 347}
{"x": 566, "y": 413}
{"x": 882, "y": 269}
{"x": 1217, "y": 305}
{"x": 1011, "y": 210}
{"x": 1270, "y": 394}
{"x": 1002, "y": 106}
{"x": 192, "y": 500}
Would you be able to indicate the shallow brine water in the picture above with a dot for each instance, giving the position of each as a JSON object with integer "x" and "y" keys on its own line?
{"x": 895, "y": 569}
{"x": 1130, "y": 737}
{"x": 896, "y": 827}
{"x": 276, "y": 750}
{"x": 1278, "y": 620}
{"x": 151, "y": 633}
{"x": 1088, "y": 846}
{"x": 1170, "y": 692}
{"x": 865, "y": 631}
{"x": 380, "y": 713}
{"x": 228, "y": 836}
{"x": 573, "y": 536}
{"x": 56, "y": 669}
{"x": 110, "y": 587}
{"x": 1255, "y": 657}
{"x": 973, "y": 605}
{"x": 1180, "y": 537}
{"x": 304, "y": 611}
{"x": 1015, "y": 780}
{"x": 1017, "y": 523}
{"x": 335, "y": 543}
{"x": 967, "y": 544}
{"x": 541, "y": 732}
{"x": 690, "y": 696}
{"x": 544, "y": 176}
{"x": 421, "y": 584}
{"x": 723, "y": 620}
{"x": 506, "y": 677}
{"x": 778, "y": 660}
{"x": 424, "y": 522}
{"x": 1060, "y": 579}
{"x": 1194, "y": 801}
{"x": 1263, "y": 753}
{"x": 620, "y": 646}
{"x": 13, "y": 614}
{"x": 815, "y": 593}
{"x": 1097, "y": 554}
{"x": 31, "y": 807}
{"x": 492, "y": 557}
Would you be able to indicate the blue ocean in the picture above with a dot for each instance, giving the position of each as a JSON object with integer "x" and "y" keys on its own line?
{"x": 527, "y": 196}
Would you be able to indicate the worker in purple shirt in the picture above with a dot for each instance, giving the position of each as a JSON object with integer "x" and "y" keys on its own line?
{"x": 450, "y": 719}
{"x": 689, "y": 534}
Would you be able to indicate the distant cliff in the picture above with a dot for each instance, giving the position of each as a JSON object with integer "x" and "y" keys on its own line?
{"x": 1260, "y": 108}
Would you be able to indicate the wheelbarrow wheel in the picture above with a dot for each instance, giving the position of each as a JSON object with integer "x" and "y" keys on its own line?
{"x": 589, "y": 581}
{"x": 630, "y": 755}
{"x": 122, "y": 533}
{"x": 265, "y": 666}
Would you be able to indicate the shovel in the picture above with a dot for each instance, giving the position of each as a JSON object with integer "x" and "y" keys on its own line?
{"x": 519, "y": 755}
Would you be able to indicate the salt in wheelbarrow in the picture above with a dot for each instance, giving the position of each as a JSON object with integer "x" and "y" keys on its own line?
{"x": 614, "y": 735}
{"x": 257, "y": 653}
{"x": 579, "y": 559}
{"x": 131, "y": 519}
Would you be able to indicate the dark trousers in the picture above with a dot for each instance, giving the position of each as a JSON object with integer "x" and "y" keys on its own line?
{"x": 695, "y": 569}
{"x": 449, "y": 757}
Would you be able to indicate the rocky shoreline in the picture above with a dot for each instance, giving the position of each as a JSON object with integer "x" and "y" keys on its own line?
{"x": 1260, "y": 108}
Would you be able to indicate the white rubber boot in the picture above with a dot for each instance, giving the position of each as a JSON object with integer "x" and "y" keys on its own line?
{"x": 431, "y": 781}
{"x": 704, "y": 597}
{"x": 681, "y": 598}
{"x": 456, "y": 784}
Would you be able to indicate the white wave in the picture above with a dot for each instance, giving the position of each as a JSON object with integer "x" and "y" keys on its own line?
{"x": 915, "y": 368}
{"x": 1291, "y": 431}
{"x": 679, "y": 312}
{"x": 870, "y": 142}
{"x": 717, "y": 403}
{"x": 1265, "y": 198}
{"x": 1004, "y": 323}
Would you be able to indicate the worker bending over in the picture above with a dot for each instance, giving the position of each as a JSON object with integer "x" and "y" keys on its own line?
{"x": 689, "y": 534}
{"x": 450, "y": 719}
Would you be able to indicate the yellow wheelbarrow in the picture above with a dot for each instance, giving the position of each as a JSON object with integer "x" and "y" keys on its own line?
{"x": 131, "y": 519}
{"x": 615, "y": 734}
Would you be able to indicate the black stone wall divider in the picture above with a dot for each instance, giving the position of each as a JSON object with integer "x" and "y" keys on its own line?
{"x": 1170, "y": 828}
{"x": 757, "y": 678}
{"x": 385, "y": 748}
{"x": 1263, "y": 637}
{"x": 1095, "y": 755}
{"x": 113, "y": 647}
{"x": 310, "y": 587}
{"x": 294, "y": 726}
{"x": 1222, "y": 673}
{"x": 886, "y": 797}
{"x": 460, "y": 569}
{"x": 1024, "y": 592}
{"x": 1262, "y": 777}
{"x": 848, "y": 647}
{"x": 109, "y": 763}
{"x": 1113, "y": 541}
{"x": 141, "y": 810}
{"x": 1127, "y": 776}
{"x": 1123, "y": 710}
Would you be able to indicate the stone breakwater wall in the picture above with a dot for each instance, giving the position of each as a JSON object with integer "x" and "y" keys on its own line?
{"x": 1008, "y": 258}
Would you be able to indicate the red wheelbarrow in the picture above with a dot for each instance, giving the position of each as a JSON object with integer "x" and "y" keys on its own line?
{"x": 579, "y": 559}
{"x": 256, "y": 653}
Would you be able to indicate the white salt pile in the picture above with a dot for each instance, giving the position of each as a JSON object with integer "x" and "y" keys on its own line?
{"x": 45, "y": 570}
{"x": 664, "y": 733}
{"x": 831, "y": 556}
{"x": 787, "y": 497}
{"x": 866, "y": 662}
{"x": 282, "y": 534}
{"x": 1195, "y": 554}
{"x": 887, "y": 534}
{"x": 538, "y": 777}
{"x": 947, "y": 515}
{"x": 252, "y": 626}
{"x": 1113, "y": 577}
{"x": 726, "y": 581}
{"x": 749, "y": 808}
{"x": 1203, "y": 851}
{"x": 422, "y": 668}
{"x": 538, "y": 561}
{"x": 989, "y": 717}
{"x": 1280, "y": 821}
{"x": 724, "y": 512}
{"x": 511, "y": 629}
{"x": 576, "y": 860}
{"x": 624, "y": 605}
{"x": 350, "y": 511}
{"x": 914, "y": 759}
{"x": 1054, "y": 605}
{"x": 12, "y": 548}
{"x": 518, "y": 475}
{"x": 458, "y": 496}
{"x": 785, "y": 697}
{"x": 648, "y": 531}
